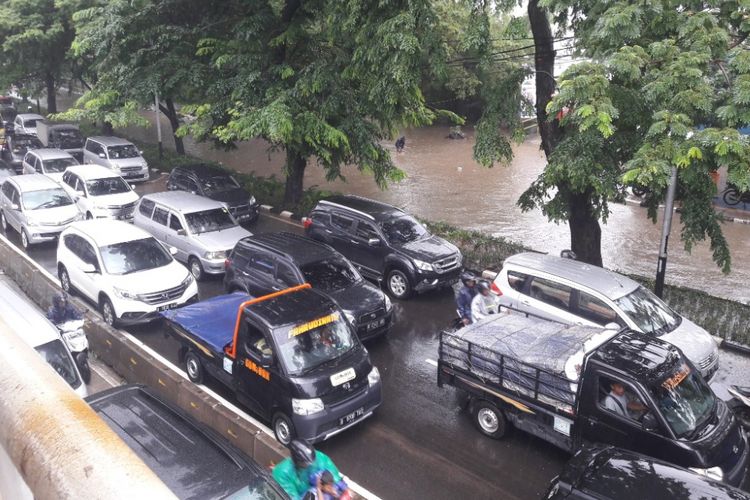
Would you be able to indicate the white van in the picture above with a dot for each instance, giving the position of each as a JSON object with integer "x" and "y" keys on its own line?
{"x": 33, "y": 326}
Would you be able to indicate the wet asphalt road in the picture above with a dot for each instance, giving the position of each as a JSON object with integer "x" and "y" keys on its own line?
{"x": 420, "y": 444}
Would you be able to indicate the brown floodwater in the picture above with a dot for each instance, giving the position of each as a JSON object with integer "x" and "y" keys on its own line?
{"x": 444, "y": 183}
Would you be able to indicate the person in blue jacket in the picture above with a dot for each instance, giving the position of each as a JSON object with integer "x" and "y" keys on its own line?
{"x": 62, "y": 310}
{"x": 303, "y": 468}
{"x": 465, "y": 296}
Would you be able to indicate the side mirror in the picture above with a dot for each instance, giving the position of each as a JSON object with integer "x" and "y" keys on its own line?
{"x": 612, "y": 326}
{"x": 88, "y": 268}
{"x": 102, "y": 155}
{"x": 173, "y": 250}
{"x": 649, "y": 423}
{"x": 374, "y": 242}
{"x": 14, "y": 206}
{"x": 181, "y": 232}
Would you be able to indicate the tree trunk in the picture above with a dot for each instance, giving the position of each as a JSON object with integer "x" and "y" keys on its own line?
{"x": 51, "y": 94}
{"x": 585, "y": 232}
{"x": 544, "y": 65}
{"x": 295, "y": 173}
{"x": 171, "y": 113}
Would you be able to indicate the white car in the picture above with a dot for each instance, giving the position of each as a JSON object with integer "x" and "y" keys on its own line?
{"x": 123, "y": 269}
{"x": 49, "y": 162}
{"x": 25, "y": 123}
{"x": 574, "y": 292}
{"x": 119, "y": 155}
{"x": 99, "y": 192}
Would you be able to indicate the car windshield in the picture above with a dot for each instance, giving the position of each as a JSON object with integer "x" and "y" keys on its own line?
{"x": 55, "y": 354}
{"x": 107, "y": 185}
{"x": 330, "y": 274}
{"x": 23, "y": 143}
{"x": 209, "y": 220}
{"x": 58, "y": 165}
{"x": 403, "y": 229}
{"x": 649, "y": 313}
{"x": 685, "y": 400}
{"x": 134, "y": 256}
{"x": 31, "y": 123}
{"x": 46, "y": 198}
{"x": 309, "y": 345}
{"x": 219, "y": 183}
{"x": 70, "y": 138}
{"x": 124, "y": 151}
{"x": 258, "y": 489}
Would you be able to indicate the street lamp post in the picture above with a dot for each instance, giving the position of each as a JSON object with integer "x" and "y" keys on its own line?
{"x": 158, "y": 122}
{"x": 661, "y": 266}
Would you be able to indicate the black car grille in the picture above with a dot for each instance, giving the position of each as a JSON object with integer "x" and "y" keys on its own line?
{"x": 121, "y": 210}
{"x": 345, "y": 392}
{"x": 164, "y": 295}
{"x": 130, "y": 169}
{"x": 447, "y": 264}
{"x": 239, "y": 209}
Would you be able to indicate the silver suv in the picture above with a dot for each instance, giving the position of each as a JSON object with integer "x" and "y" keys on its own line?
{"x": 578, "y": 293}
{"x": 202, "y": 230}
{"x": 119, "y": 155}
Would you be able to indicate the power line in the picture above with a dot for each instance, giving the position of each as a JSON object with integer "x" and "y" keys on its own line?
{"x": 492, "y": 56}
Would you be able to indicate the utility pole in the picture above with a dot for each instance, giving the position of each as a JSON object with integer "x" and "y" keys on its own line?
{"x": 661, "y": 267}
{"x": 158, "y": 122}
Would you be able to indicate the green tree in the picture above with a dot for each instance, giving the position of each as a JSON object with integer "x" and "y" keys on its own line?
{"x": 323, "y": 80}
{"x": 35, "y": 36}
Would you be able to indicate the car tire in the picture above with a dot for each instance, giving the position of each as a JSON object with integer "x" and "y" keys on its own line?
{"x": 64, "y": 277}
{"x": 489, "y": 419}
{"x": 108, "y": 312}
{"x": 194, "y": 368}
{"x": 24, "y": 239}
{"x": 3, "y": 222}
{"x": 283, "y": 428}
{"x": 196, "y": 269}
{"x": 397, "y": 284}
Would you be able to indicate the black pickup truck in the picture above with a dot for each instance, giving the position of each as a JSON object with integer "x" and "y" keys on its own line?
{"x": 575, "y": 385}
{"x": 291, "y": 356}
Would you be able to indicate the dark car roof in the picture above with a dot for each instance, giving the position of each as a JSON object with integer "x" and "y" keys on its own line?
{"x": 640, "y": 354}
{"x": 298, "y": 248}
{"x": 608, "y": 472}
{"x": 202, "y": 170}
{"x": 375, "y": 209}
{"x": 185, "y": 455}
{"x": 293, "y": 308}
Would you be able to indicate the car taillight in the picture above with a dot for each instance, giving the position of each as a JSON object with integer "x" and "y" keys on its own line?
{"x": 495, "y": 289}
{"x": 306, "y": 222}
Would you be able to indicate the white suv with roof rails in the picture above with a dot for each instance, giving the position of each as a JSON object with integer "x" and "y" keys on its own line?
{"x": 574, "y": 292}
{"x": 123, "y": 269}
{"x": 118, "y": 155}
{"x": 99, "y": 192}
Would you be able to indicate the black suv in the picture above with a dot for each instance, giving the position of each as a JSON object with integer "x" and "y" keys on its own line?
{"x": 385, "y": 243}
{"x": 16, "y": 146}
{"x": 268, "y": 262}
{"x": 217, "y": 184}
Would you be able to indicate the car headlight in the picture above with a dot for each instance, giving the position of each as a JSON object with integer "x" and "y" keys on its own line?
{"x": 711, "y": 473}
{"x": 374, "y": 376}
{"x": 423, "y": 266}
{"x": 79, "y": 216}
{"x": 307, "y": 406}
{"x": 350, "y": 317}
{"x": 187, "y": 281}
{"x": 459, "y": 258}
{"x": 251, "y": 201}
{"x": 222, "y": 254}
{"x": 388, "y": 303}
{"x": 31, "y": 221}
{"x": 125, "y": 294}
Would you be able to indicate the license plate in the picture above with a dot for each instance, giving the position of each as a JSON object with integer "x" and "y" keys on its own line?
{"x": 347, "y": 419}
{"x": 167, "y": 306}
{"x": 130, "y": 176}
{"x": 374, "y": 325}
{"x": 342, "y": 377}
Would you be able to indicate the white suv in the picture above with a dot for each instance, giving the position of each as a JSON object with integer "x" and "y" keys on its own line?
{"x": 100, "y": 193}
{"x": 574, "y": 292}
{"x": 122, "y": 268}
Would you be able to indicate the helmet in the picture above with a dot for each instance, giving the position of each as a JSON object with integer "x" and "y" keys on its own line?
{"x": 303, "y": 455}
{"x": 483, "y": 286}
{"x": 467, "y": 276}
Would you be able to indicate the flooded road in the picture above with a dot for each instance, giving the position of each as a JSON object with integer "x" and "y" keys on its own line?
{"x": 444, "y": 183}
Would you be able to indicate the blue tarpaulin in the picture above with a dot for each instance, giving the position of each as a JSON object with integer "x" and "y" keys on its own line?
{"x": 212, "y": 320}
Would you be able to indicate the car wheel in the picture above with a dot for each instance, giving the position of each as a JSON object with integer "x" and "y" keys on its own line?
{"x": 397, "y": 283}
{"x": 489, "y": 419}
{"x": 196, "y": 269}
{"x": 62, "y": 273}
{"x": 108, "y": 312}
{"x": 193, "y": 368}
{"x": 3, "y": 222}
{"x": 283, "y": 429}
{"x": 24, "y": 239}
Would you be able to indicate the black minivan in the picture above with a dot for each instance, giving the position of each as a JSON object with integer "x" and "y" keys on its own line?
{"x": 268, "y": 262}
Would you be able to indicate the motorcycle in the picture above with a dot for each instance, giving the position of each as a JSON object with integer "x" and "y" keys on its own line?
{"x": 740, "y": 404}
{"x": 78, "y": 344}
{"x": 733, "y": 196}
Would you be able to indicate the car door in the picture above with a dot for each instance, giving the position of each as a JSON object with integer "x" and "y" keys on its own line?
{"x": 549, "y": 299}
{"x": 367, "y": 255}
{"x": 596, "y": 311}
{"x": 180, "y": 241}
{"x": 8, "y": 191}
{"x": 252, "y": 380}
{"x": 14, "y": 215}
{"x": 29, "y": 163}
{"x": 159, "y": 222}
{"x": 261, "y": 271}
{"x": 512, "y": 284}
{"x": 340, "y": 234}
{"x": 287, "y": 275}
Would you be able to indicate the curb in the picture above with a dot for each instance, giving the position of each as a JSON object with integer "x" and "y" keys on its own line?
{"x": 738, "y": 220}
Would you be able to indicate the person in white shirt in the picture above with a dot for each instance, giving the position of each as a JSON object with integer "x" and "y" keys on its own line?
{"x": 618, "y": 402}
{"x": 484, "y": 302}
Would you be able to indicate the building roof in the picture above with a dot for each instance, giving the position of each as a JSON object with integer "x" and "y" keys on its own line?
{"x": 51, "y": 153}
{"x": 606, "y": 282}
{"x": 109, "y": 140}
{"x": 34, "y": 182}
{"x": 375, "y": 209}
{"x": 108, "y": 232}
{"x": 184, "y": 202}
{"x": 92, "y": 171}
{"x": 299, "y": 248}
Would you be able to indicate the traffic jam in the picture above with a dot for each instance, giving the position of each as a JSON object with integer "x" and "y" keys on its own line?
{"x": 577, "y": 369}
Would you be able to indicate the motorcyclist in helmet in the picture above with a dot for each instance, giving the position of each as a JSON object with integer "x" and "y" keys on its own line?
{"x": 484, "y": 303}
{"x": 465, "y": 296}
{"x": 303, "y": 468}
{"x": 62, "y": 310}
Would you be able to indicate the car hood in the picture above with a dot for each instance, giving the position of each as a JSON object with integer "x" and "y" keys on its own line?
{"x": 52, "y": 216}
{"x": 231, "y": 197}
{"x": 118, "y": 199}
{"x": 55, "y": 176}
{"x": 358, "y": 299}
{"x": 130, "y": 162}
{"x": 694, "y": 342}
{"x": 152, "y": 280}
{"x": 225, "y": 239}
{"x": 429, "y": 249}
